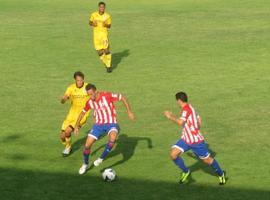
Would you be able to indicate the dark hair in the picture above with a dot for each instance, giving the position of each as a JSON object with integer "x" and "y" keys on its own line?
{"x": 181, "y": 96}
{"x": 78, "y": 73}
{"x": 90, "y": 86}
{"x": 101, "y": 3}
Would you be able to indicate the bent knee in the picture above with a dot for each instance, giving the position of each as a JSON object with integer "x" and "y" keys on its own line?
{"x": 100, "y": 52}
{"x": 208, "y": 160}
{"x": 107, "y": 51}
{"x": 62, "y": 135}
{"x": 175, "y": 153}
{"x": 113, "y": 136}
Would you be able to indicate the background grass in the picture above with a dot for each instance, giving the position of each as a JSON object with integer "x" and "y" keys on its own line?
{"x": 217, "y": 51}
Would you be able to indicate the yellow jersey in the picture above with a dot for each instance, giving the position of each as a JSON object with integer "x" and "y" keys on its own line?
{"x": 77, "y": 96}
{"x": 100, "y": 20}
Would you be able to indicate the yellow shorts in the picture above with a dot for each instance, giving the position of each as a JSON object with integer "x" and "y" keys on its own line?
{"x": 101, "y": 42}
{"x": 71, "y": 120}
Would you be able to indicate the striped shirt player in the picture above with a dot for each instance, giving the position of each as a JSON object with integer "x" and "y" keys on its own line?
{"x": 104, "y": 109}
{"x": 191, "y": 139}
{"x": 104, "y": 112}
{"x": 191, "y": 127}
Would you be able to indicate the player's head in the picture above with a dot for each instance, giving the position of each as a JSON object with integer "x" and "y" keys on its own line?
{"x": 181, "y": 98}
{"x": 101, "y": 7}
{"x": 91, "y": 90}
{"x": 79, "y": 79}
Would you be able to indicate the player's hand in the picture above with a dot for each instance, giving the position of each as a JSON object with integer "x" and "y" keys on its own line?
{"x": 94, "y": 23}
{"x": 131, "y": 116}
{"x": 62, "y": 100}
{"x": 168, "y": 114}
{"x": 76, "y": 131}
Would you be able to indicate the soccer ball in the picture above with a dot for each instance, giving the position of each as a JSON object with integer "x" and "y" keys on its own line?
{"x": 109, "y": 175}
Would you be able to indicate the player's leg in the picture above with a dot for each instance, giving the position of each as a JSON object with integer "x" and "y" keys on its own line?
{"x": 65, "y": 137}
{"x": 86, "y": 154}
{"x": 98, "y": 44}
{"x": 216, "y": 167}
{"x": 108, "y": 59}
{"x": 202, "y": 152}
{"x": 101, "y": 55}
{"x": 176, "y": 151}
{"x": 93, "y": 135}
{"x": 113, "y": 131}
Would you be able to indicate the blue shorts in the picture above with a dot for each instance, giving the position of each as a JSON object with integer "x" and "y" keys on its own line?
{"x": 100, "y": 129}
{"x": 199, "y": 149}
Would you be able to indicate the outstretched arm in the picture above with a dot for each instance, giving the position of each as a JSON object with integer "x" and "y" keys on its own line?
{"x": 76, "y": 128}
{"x": 128, "y": 108}
{"x": 173, "y": 118}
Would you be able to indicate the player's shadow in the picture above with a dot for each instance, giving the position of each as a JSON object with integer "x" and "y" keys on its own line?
{"x": 78, "y": 144}
{"x": 126, "y": 146}
{"x": 117, "y": 57}
{"x": 12, "y": 138}
{"x": 39, "y": 184}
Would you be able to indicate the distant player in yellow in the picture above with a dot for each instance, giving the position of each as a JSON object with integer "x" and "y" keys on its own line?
{"x": 101, "y": 22}
{"x": 77, "y": 95}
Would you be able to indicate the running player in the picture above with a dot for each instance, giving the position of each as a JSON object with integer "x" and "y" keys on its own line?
{"x": 191, "y": 139}
{"x": 77, "y": 95}
{"x": 101, "y": 22}
{"x": 102, "y": 104}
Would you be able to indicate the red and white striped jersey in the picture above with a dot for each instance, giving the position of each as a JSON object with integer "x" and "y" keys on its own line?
{"x": 191, "y": 127}
{"x": 104, "y": 109}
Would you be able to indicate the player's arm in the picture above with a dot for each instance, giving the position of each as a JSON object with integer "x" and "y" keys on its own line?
{"x": 79, "y": 119}
{"x": 128, "y": 108}
{"x": 108, "y": 23}
{"x": 93, "y": 23}
{"x": 199, "y": 121}
{"x": 173, "y": 118}
{"x": 64, "y": 98}
{"x": 78, "y": 122}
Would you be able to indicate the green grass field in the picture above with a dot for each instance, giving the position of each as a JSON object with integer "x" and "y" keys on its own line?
{"x": 217, "y": 51}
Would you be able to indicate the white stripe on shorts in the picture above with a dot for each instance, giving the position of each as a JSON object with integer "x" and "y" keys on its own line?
{"x": 112, "y": 129}
{"x": 90, "y": 135}
{"x": 175, "y": 146}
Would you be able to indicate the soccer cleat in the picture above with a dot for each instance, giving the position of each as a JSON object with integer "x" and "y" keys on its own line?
{"x": 109, "y": 69}
{"x": 84, "y": 168}
{"x": 98, "y": 161}
{"x": 66, "y": 151}
{"x": 184, "y": 177}
{"x": 222, "y": 179}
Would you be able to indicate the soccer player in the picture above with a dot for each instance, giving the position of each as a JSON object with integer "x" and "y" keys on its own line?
{"x": 191, "y": 139}
{"x": 102, "y": 104}
{"x": 101, "y": 22}
{"x": 77, "y": 95}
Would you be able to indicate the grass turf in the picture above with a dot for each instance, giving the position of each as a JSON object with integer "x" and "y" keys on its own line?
{"x": 217, "y": 51}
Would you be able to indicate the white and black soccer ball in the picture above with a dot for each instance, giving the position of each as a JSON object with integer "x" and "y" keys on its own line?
{"x": 109, "y": 175}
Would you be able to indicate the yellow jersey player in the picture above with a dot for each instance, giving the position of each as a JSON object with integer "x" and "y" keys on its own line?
{"x": 77, "y": 95}
{"x": 101, "y": 22}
